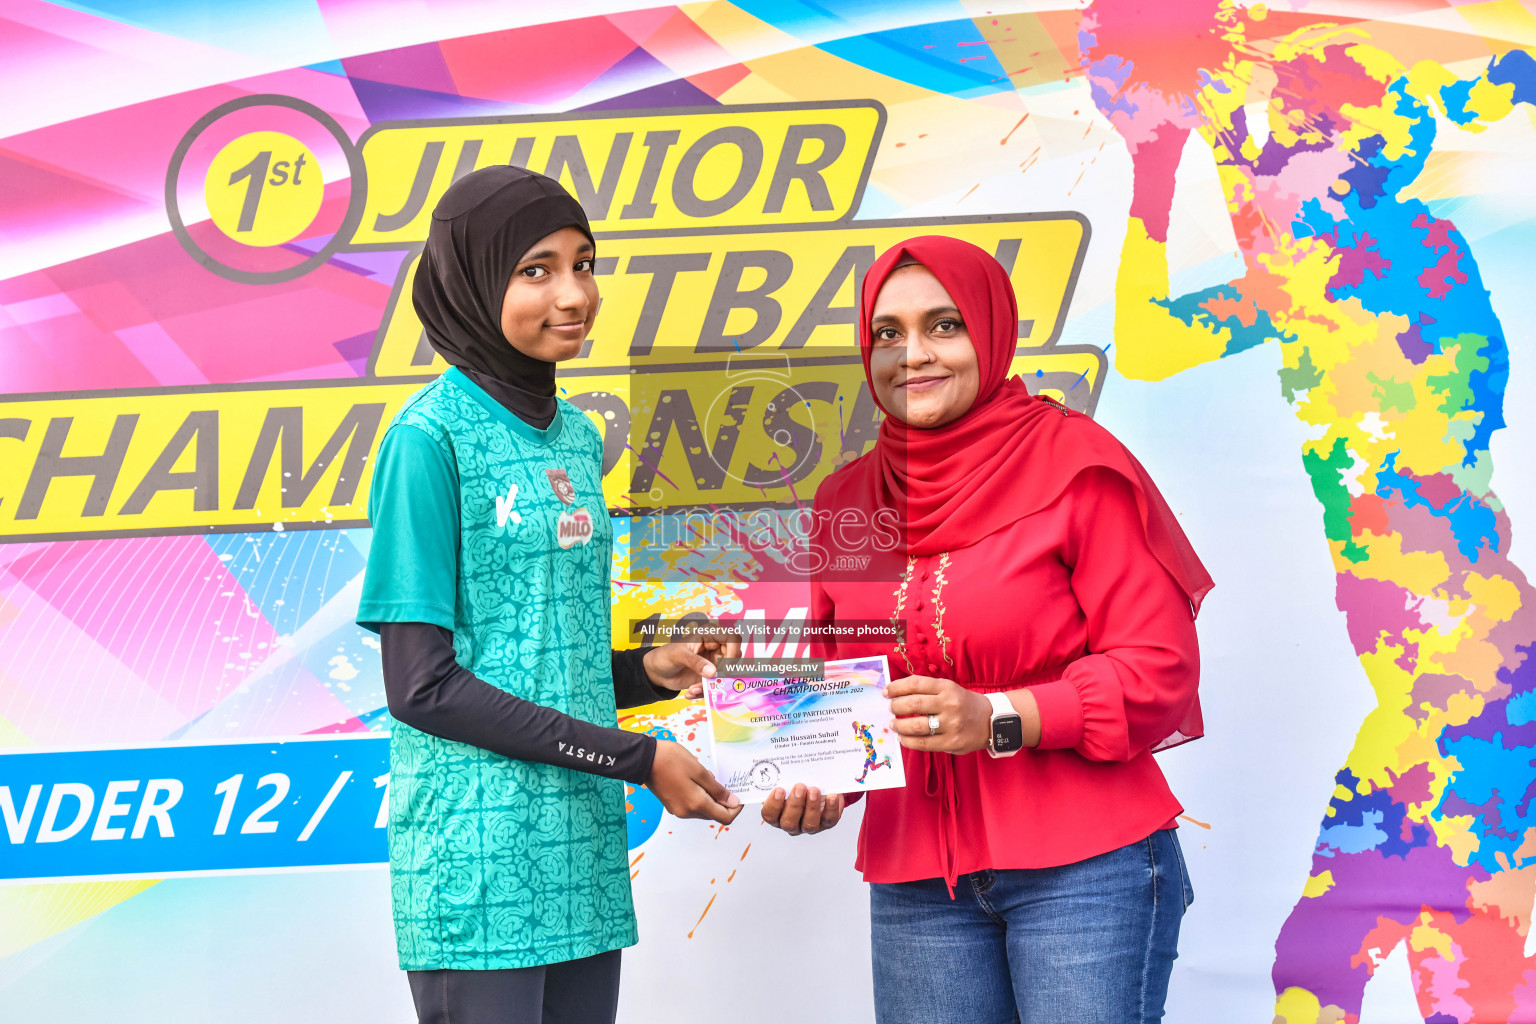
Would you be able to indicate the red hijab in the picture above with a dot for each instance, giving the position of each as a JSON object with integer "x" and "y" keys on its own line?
{"x": 1011, "y": 454}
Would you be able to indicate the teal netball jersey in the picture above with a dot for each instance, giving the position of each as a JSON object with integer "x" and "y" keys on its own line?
{"x": 498, "y": 531}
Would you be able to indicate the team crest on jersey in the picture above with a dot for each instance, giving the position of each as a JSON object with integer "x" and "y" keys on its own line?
{"x": 563, "y": 488}
{"x": 574, "y": 527}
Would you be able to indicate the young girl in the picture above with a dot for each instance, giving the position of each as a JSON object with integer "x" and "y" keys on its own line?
{"x": 488, "y": 580}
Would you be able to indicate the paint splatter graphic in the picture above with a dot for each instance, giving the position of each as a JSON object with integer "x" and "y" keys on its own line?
{"x": 1394, "y": 358}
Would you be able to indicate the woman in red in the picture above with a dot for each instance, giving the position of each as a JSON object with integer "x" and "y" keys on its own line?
{"x": 1045, "y": 598}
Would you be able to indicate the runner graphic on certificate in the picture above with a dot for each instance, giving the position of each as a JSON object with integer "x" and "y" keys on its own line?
{"x": 832, "y": 733}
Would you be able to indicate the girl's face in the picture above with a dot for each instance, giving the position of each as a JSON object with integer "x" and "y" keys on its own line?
{"x": 922, "y": 362}
{"x": 551, "y": 300}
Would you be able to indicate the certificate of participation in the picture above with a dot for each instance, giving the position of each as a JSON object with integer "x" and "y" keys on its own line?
{"x": 832, "y": 733}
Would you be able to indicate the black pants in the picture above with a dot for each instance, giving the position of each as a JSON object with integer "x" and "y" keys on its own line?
{"x": 574, "y": 992}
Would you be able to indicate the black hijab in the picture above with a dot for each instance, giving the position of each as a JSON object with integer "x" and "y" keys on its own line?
{"x": 482, "y": 226}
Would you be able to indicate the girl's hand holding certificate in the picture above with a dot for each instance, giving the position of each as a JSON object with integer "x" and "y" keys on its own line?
{"x": 684, "y": 666}
{"x": 687, "y": 789}
{"x": 684, "y": 786}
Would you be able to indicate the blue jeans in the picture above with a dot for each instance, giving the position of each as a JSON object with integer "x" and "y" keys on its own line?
{"x": 1090, "y": 943}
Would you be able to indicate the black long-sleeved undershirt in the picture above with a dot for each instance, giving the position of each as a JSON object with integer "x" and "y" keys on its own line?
{"x": 429, "y": 690}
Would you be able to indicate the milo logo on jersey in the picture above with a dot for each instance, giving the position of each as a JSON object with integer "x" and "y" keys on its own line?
{"x": 574, "y": 527}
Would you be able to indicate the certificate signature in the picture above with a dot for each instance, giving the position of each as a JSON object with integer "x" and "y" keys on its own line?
{"x": 832, "y": 733}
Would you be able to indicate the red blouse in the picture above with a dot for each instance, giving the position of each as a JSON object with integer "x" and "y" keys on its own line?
{"x": 1071, "y": 602}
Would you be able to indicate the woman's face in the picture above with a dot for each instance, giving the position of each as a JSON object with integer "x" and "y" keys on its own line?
{"x": 922, "y": 362}
{"x": 552, "y": 298}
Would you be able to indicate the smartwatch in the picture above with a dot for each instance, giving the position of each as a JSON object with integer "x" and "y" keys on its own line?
{"x": 1007, "y": 727}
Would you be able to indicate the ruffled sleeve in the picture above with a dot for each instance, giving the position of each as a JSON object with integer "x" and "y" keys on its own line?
{"x": 1142, "y": 671}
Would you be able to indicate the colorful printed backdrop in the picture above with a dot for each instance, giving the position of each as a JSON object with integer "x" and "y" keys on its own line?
{"x": 1282, "y": 251}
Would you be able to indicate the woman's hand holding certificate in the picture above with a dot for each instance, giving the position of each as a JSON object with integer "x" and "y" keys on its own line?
{"x": 802, "y": 811}
{"x": 940, "y": 714}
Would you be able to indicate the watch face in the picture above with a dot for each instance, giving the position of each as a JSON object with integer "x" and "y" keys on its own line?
{"x": 1007, "y": 734}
